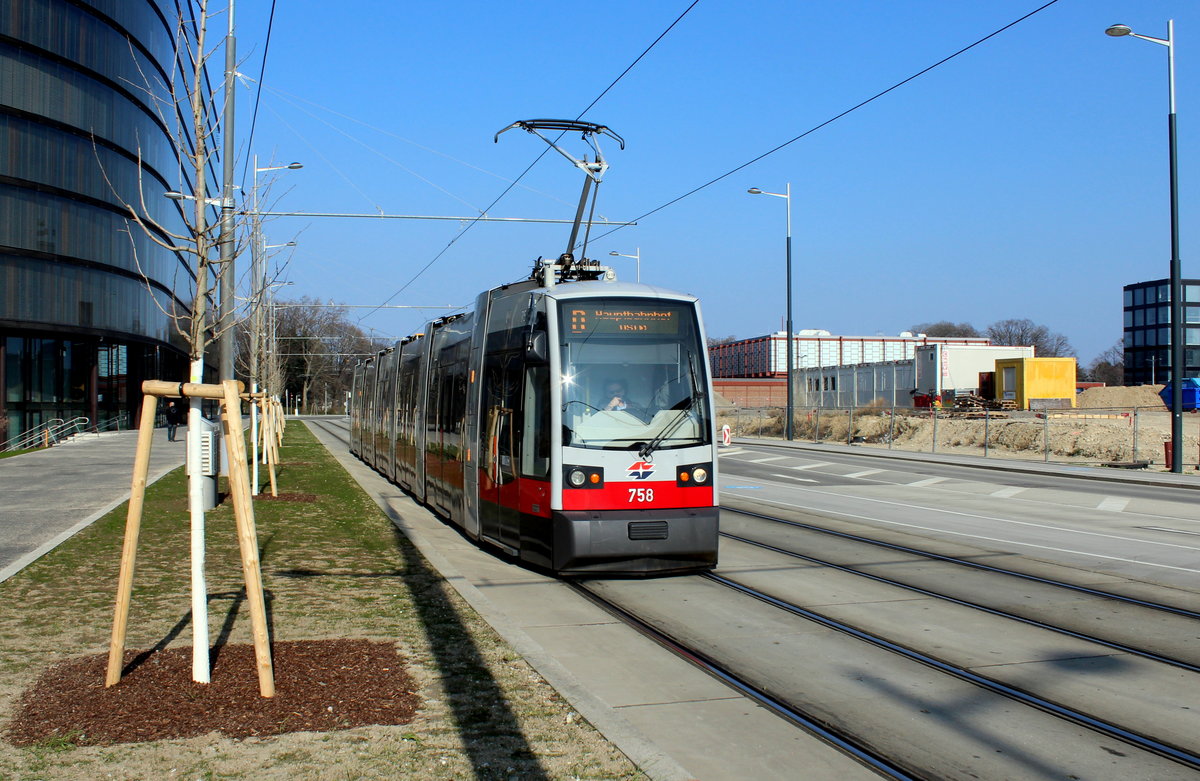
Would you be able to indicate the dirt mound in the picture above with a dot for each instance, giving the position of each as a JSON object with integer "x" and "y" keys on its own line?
{"x": 1121, "y": 396}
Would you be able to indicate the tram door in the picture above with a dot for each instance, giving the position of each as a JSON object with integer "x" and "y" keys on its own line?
{"x": 499, "y": 492}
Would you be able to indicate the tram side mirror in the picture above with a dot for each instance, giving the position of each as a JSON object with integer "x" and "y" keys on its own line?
{"x": 536, "y": 350}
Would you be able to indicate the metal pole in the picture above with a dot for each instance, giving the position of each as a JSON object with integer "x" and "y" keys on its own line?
{"x": 228, "y": 277}
{"x": 790, "y": 357}
{"x": 933, "y": 412}
{"x": 986, "y": 419}
{"x": 1178, "y": 369}
{"x": 258, "y": 280}
{"x": 1046, "y": 434}
{"x": 1135, "y": 433}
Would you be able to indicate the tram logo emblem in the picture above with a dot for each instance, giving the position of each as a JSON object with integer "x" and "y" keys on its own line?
{"x": 578, "y": 320}
{"x": 640, "y": 470}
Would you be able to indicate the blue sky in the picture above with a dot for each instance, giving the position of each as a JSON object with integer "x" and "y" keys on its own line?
{"x": 1025, "y": 178}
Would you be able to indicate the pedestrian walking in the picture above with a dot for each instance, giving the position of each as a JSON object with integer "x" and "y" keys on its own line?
{"x": 176, "y": 414}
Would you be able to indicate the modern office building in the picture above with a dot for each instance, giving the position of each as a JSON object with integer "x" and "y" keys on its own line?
{"x": 86, "y": 122}
{"x": 1148, "y": 331}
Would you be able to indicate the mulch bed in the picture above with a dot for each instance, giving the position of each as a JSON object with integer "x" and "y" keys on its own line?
{"x": 320, "y": 685}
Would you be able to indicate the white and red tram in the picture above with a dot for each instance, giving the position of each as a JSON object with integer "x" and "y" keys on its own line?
{"x": 501, "y": 421}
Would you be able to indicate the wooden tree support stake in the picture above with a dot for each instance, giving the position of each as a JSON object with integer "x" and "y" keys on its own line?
{"x": 133, "y": 526}
{"x": 229, "y": 394}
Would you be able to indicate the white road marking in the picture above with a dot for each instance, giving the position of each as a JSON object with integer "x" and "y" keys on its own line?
{"x": 793, "y": 477}
{"x": 813, "y": 465}
{"x": 927, "y": 481}
{"x": 1005, "y": 493}
{"x": 1113, "y": 503}
{"x": 730, "y": 451}
{"x": 765, "y": 460}
{"x": 1011, "y": 542}
{"x": 864, "y": 473}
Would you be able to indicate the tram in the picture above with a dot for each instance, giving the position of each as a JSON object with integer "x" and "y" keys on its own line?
{"x": 566, "y": 420}
{"x": 505, "y": 422}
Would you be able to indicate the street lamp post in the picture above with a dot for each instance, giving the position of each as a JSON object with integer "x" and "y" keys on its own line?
{"x": 1178, "y": 369}
{"x": 787, "y": 196}
{"x": 637, "y": 257}
{"x": 258, "y": 248}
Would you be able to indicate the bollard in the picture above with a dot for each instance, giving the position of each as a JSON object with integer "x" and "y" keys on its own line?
{"x": 1169, "y": 454}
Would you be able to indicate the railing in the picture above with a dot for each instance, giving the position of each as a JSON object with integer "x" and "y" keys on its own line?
{"x": 1124, "y": 436}
{"x": 49, "y": 433}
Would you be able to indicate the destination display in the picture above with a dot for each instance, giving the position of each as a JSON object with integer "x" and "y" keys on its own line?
{"x": 636, "y": 319}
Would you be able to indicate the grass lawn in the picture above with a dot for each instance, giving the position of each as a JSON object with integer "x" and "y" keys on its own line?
{"x": 333, "y": 567}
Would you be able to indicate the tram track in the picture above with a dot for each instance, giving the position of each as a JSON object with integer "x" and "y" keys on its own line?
{"x": 1177, "y": 649}
{"x": 839, "y": 739}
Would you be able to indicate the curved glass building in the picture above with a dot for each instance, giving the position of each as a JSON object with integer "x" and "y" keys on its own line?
{"x": 87, "y": 123}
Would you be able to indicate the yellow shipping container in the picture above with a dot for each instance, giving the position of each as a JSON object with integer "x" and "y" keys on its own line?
{"x": 1036, "y": 383}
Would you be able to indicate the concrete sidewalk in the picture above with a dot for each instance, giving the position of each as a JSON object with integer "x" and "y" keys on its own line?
{"x": 47, "y": 496}
{"x": 670, "y": 718}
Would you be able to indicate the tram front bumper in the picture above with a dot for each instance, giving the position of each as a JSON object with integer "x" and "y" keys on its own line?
{"x": 635, "y": 541}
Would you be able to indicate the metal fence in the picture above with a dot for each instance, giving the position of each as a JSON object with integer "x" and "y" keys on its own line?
{"x": 1123, "y": 437}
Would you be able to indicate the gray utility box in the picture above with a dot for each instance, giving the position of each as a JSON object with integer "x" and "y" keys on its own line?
{"x": 210, "y": 460}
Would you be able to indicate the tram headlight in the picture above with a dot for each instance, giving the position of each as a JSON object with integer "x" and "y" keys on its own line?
{"x": 694, "y": 475}
{"x": 583, "y": 476}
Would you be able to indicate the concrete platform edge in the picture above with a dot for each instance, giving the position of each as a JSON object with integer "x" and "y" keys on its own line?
{"x": 641, "y": 751}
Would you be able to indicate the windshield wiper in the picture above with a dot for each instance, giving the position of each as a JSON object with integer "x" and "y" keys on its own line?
{"x": 648, "y": 449}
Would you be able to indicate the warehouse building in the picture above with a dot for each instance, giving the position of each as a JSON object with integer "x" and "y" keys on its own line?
{"x": 766, "y": 356}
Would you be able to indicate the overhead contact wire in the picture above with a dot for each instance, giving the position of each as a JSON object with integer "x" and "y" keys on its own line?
{"x": 831, "y": 120}
{"x": 536, "y": 160}
{"x": 258, "y": 93}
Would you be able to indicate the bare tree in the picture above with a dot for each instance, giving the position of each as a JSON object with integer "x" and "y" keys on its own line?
{"x": 319, "y": 347}
{"x": 185, "y": 104}
{"x": 1046, "y": 343}
{"x": 1109, "y": 366}
{"x": 945, "y": 328}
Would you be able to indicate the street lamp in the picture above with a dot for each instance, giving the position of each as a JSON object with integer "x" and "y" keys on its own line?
{"x": 1178, "y": 369}
{"x": 637, "y": 257}
{"x": 258, "y": 248}
{"x": 787, "y": 196}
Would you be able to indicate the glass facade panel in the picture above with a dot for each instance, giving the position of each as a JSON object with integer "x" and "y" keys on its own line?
{"x": 1139, "y": 317}
{"x": 83, "y": 89}
{"x": 1129, "y": 318}
{"x": 14, "y": 380}
{"x": 1191, "y": 293}
{"x": 1139, "y": 296}
{"x": 1128, "y": 297}
{"x": 49, "y": 89}
{"x": 54, "y": 157}
{"x": 1164, "y": 293}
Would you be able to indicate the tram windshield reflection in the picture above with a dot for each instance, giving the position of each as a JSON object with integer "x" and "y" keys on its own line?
{"x": 632, "y": 372}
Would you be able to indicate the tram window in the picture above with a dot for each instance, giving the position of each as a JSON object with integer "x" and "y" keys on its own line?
{"x": 535, "y": 444}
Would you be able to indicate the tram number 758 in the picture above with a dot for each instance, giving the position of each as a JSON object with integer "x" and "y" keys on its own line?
{"x": 641, "y": 495}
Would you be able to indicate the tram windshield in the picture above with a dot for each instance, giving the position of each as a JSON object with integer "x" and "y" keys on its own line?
{"x": 632, "y": 375}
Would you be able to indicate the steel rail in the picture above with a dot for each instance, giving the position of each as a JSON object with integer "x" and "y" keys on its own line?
{"x": 831, "y": 735}
{"x": 1144, "y": 742}
{"x": 1179, "y": 611}
{"x": 1113, "y": 644}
